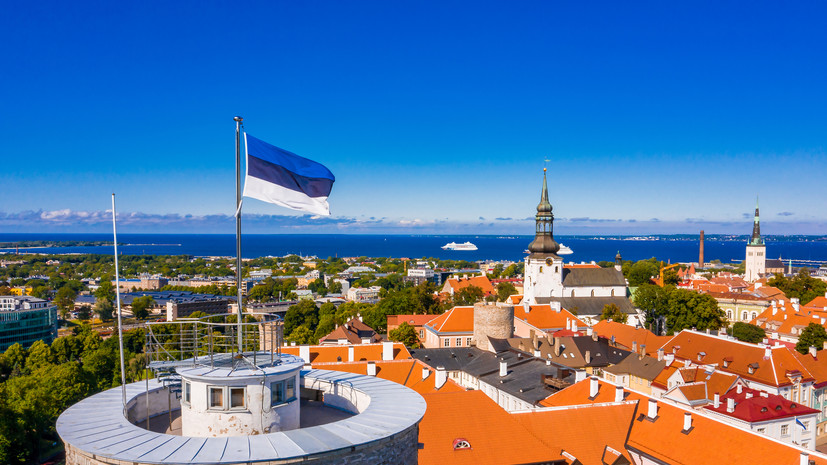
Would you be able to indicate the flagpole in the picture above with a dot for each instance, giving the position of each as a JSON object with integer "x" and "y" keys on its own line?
{"x": 238, "y": 121}
{"x": 118, "y": 298}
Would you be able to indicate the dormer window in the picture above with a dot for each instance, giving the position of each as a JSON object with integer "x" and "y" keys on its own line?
{"x": 701, "y": 356}
{"x": 752, "y": 367}
{"x": 460, "y": 443}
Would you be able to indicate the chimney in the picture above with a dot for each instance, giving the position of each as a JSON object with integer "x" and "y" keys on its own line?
{"x": 805, "y": 459}
{"x": 739, "y": 389}
{"x": 589, "y": 331}
{"x": 613, "y": 339}
{"x": 796, "y": 303}
{"x": 768, "y": 351}
{"x": 824, "y": 346}
{"x": 387, "y": 350}
{"x": 717, "y": 402}
{"x": 660, "y": 354}
{"x": 643, "y": 349}
{"x": 634, "y": 346}
{"x": 774, "y": 308}
{"x": 669, "y": 358}
{"x": 813, "y": 351}
{"x": 503, "y": 368}
{"x": 579, "y": 375}
{"x": 594, "y": 386}
{"x": 594, "y": 337}
{"x": 304, "y": 353}
{"x": 653, "y": 409}
{"x": 351, "y": 353}
{"x": 687, "y": 421}
{"x": 425, "y": 372}
{"x": 618, "y": 393}
{"x": 537, "y": 353}
{"x": 749, "y": 395}
{"x": 531, "y": 334}
{"x": 440, "y": 377}
{"x": 730, "y": 405}
{"x": 588, "y": 357}
{"x": 371, "y": 368}
{"x": 548, "y": 362}
{"x": 574, "y": 326}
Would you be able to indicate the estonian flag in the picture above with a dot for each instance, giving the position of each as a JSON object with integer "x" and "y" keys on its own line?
{"x": 283, "y": 178}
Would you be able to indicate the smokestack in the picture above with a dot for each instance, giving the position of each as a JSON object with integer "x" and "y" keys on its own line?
{"x": 618, "y": 393}
{"x": 701, "y": 251}
{"x": 687, "y": 421}
{"x": 653, "y": 409}
{"x": 717, "y": 402}
{"x": 371, "y": 368}
{"x": 594, "y": 385}
{"x": 440, "y": 377}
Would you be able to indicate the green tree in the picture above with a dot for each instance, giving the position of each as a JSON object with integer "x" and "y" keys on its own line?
{"x": 468, "y": 295}
{"x": 335, "y": 287}
{"x": 612, "y": 312}
{"x": 689, "y": 309}
{"x": 504, "y": 290}
{"x": 106, "y": 291}
{"x": 654, "y": 301}
{"x": 104, "y": 309}
{"x": 405, "y": 334}
{"x": 641, "y": 272}
{"x": 748, "y": 332}
{"x": 40, "y": 355}
{"x": 141, "y": 306}
{"x": 301, "y": 335}
{"x": 65, "y": 300}
{"x": 813, "y": 335}
{"x": 41, "y": 292}
{"x": 801, "y": 286}
{"x": 305, "y": 313}
{"x": 84, "y": 313}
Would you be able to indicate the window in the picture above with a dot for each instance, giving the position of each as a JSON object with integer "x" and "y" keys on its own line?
{"x": 283, "y": 391}
{"x": 806, "y": 425}
{"x": 744, "y": 316}
{"x": 446, "y": 342}
{"x": 468, "y": 341}
{"x": 237, "y": 397}
{"x": 729, "y": 314}
{"x": 761, "y": 430}
{"x": 785, "y": 430}
{"x": 187, "y": 390}
{"x": 216, "y": 397}
{"x": 421, "y": 333}
{"x": 459, "y": 342}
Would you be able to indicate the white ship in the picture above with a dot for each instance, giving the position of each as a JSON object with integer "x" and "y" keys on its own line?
{"x": 455, "y": 246}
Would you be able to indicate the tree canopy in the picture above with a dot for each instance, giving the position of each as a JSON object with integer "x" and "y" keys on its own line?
{"x": 813, "y": 335}
{"x": 748, "y": 332}
{"x": 801, "y": 286}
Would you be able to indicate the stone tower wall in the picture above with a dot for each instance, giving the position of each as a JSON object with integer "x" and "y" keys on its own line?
{"x": 492, "y": 320}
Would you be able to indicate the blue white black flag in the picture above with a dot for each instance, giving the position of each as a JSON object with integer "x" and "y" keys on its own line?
{"x": 283, "y": 178}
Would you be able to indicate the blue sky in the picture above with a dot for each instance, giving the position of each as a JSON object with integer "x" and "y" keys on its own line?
{"x": 435, "y": 117}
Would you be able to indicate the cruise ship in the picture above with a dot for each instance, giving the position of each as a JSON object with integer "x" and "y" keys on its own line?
{"x": 455, "y": 246}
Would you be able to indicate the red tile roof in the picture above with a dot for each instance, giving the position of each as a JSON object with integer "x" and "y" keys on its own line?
{"x": 455, "y": 320}
{"x": 338, "y": 353}
{"x": 753, "y": 406}
{"x": 413, "y": 320}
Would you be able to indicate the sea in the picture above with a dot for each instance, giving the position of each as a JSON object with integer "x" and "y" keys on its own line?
{"x": 803, "y": 250}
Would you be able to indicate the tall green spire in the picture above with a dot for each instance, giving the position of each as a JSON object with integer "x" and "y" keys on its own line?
{"x": 756, "y": 228}
{"x": 544, "y": 242}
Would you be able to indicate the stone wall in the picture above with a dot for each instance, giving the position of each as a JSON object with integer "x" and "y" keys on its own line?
{"x": 492, "y": 320}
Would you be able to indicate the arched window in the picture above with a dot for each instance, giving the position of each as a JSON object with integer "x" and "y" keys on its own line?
{"x": 729, "y": 314}
{"x": 754, "y": 316}
{"x": 743, "y": 316}
{"x": 592, "y": 292}
{"x": 613, "y": 292}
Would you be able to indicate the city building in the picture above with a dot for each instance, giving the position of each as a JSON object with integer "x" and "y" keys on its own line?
{"x": 352, "y": 332}
{"x": 25, "y": 320}
{"x": 454, "y": 328}
{"x": 417, "y": 321}
{"x": 368, "y": 295}
{"x": 755, "y": 266}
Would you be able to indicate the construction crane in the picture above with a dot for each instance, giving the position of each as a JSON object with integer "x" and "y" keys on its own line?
{"x": 659, "y": 279}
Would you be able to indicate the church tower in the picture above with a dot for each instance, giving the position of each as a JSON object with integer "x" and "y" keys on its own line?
{"x": 755, "y": 265}
{"x": 543, "y": 267}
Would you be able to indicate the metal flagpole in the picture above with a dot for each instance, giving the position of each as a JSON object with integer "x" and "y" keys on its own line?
{"x": 238, "y": 121}
{"x": 118, "y": 298}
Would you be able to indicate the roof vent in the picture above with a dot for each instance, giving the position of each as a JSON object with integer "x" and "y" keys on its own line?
{"x": 460, "y": 443}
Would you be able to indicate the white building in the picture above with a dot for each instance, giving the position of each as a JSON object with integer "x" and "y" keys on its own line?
{"x": 755, "y": 265}
{"x": 363, "y": 294}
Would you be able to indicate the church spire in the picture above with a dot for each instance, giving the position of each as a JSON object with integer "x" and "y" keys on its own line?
{"x": 544, "y": 242}
{"x": 756, "y": 228}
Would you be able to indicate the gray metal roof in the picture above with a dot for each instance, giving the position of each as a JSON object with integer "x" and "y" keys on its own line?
{"x": 590, "y": 305}
{"x": 97, "y": 425}
{"x": 577, "y": 277}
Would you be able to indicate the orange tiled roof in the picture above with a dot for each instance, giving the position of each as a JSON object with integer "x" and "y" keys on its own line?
{"x": 338, "y": 353}
{"x": 626, "y": 336}
{"x": 587, "y": 433}
{"x": 413, "y": 320}
{"x": 543, "y": 317}
{"x": 481, "y": 282}
{"x": 515, "y": 299}
{"x": 581, "y": 265}
{"x": 709, "y": 441}
{"x": 405, "y": 372}
{"x": 745, "y": 360}
{"x": 817, "y": 366}
{"x": 819, "y": 303}
{"x": 455, "y": 320}
{"x": 494, "y": 435}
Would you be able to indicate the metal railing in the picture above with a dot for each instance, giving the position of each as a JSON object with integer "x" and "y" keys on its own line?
{"x": 212, "y": 341}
